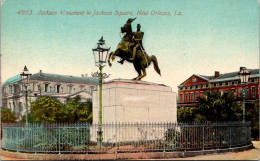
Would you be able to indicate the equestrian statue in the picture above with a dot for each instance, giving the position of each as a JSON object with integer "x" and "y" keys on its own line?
{"x": 131, "y": 49}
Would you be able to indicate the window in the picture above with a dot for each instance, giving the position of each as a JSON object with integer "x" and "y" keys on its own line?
{"x": 191, "y": 97}
{"x": 46, "y": 87}
{"x": 197, "y": 96}
{"x": 226, "y": 83}
{"x": 233, "y": 83}
{"x": 182, "y": 98}
{"x": 70, "y": 89}
{"x": 246, "y": 93}
{"x": 10, "y": 89}
{"x": 253, "y": 92}
{"x": 20, "y": 107}
{"x": 14, "y": 88}
{"x": 202, "y": 94}
{"x": 58, "y": 88}
{"x": 187, "y": 97}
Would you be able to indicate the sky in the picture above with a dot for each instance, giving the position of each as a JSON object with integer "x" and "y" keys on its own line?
{"x": 208, "y": 36}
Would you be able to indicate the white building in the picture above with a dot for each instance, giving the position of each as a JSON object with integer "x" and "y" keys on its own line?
{"x": 45, "y": 84}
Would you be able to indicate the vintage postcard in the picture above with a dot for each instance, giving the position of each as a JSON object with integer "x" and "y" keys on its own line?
{"x": 147, "y": 59}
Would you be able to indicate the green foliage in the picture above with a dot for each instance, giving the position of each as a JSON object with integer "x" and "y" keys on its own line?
{"x": 187, "y": 113}
{"x": 76, "y": 111}
{"x": 50, "y": 110}
{"x": 252, "y": 114}
{"x": 45, "y": 109}
{"x": 7, "y": 116}
{"x": 53, "y": 137}
{"x": 214, "y": 106}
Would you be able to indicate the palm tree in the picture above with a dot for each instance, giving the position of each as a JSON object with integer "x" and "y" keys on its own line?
{"x": 215, "y": 106}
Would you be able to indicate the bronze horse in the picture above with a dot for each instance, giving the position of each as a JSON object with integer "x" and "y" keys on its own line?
{"x": 125, "y": 52}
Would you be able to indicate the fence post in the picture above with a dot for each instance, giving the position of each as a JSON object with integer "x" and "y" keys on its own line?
{"x": 230, "y": 136}
{"x": 203, "y": 136}
{"x": 17, "y": 136}
{"x": 59, "y": 139}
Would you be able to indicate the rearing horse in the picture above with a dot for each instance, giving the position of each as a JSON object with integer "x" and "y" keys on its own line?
{"x": 124, "y": 50}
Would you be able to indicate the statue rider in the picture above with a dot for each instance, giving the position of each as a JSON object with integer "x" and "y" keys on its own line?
{"x": 137, "y": 42}
{"x": 137, "y": 38}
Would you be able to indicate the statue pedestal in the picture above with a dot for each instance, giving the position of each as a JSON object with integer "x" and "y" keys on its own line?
{"x": 135, "y": 101}
{"x": 127, "y": 101}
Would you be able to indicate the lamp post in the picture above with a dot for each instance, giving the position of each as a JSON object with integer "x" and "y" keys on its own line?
{"x": 25, "y": 76}
{"x": 244, "y": 75}
{"x": 100, "y": 55}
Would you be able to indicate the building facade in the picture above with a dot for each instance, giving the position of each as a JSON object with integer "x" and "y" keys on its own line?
{"x": 45, "y": 84}
{"x": 196, "y": 85}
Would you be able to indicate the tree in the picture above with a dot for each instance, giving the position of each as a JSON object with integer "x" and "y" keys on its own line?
{"x": 45, "y": 109}
{"x": 213, "y": 106}
{"x": 252, "y": 114}
{"x": 7, "y": 116}
{"x": 50, "y": 110}
{"x": 187, "y": 113}
{"x": 76, "y": 111}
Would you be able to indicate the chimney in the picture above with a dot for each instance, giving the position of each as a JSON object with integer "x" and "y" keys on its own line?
{"x": 40, "y": 72}
{"x": 216, "y": 74}
{"x": 86, "y": 75}
{"x": 82, "y": 75}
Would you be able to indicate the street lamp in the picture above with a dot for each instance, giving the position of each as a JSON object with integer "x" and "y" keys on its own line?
{"x": 100, "y": 55}
{"x": 244, "y": 75}
{"x": 25, "y": 76}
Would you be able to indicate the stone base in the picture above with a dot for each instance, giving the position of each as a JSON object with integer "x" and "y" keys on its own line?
{"x": 135, "y": 101}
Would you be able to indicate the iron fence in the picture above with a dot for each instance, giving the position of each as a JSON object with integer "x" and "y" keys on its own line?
{"x": 124, "y": 137}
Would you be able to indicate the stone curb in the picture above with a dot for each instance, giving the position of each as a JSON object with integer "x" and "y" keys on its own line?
{"x": 147, "y": 155}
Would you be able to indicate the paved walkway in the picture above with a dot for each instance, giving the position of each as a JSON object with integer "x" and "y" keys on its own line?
{"x": 252, "y": 154}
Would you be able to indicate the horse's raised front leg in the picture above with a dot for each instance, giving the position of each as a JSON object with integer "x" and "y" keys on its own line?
{"x": 112, "y": 54}
{"x": 109, "y": 63}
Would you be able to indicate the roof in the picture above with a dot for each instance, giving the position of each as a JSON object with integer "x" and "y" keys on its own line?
{"x": 234, "y": 76}
{"x": 12, "y": 80}
{"x": 206, "y": 78}
{"x": 63, "y": 78}
{"x": 224, "y": 77}
{"x": 54, "y": 78}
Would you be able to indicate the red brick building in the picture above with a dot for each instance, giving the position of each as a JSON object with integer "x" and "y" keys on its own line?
{"x": 196, "y": 85}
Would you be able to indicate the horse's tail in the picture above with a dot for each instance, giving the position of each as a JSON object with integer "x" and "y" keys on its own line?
{"x": 155, "y": 64}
